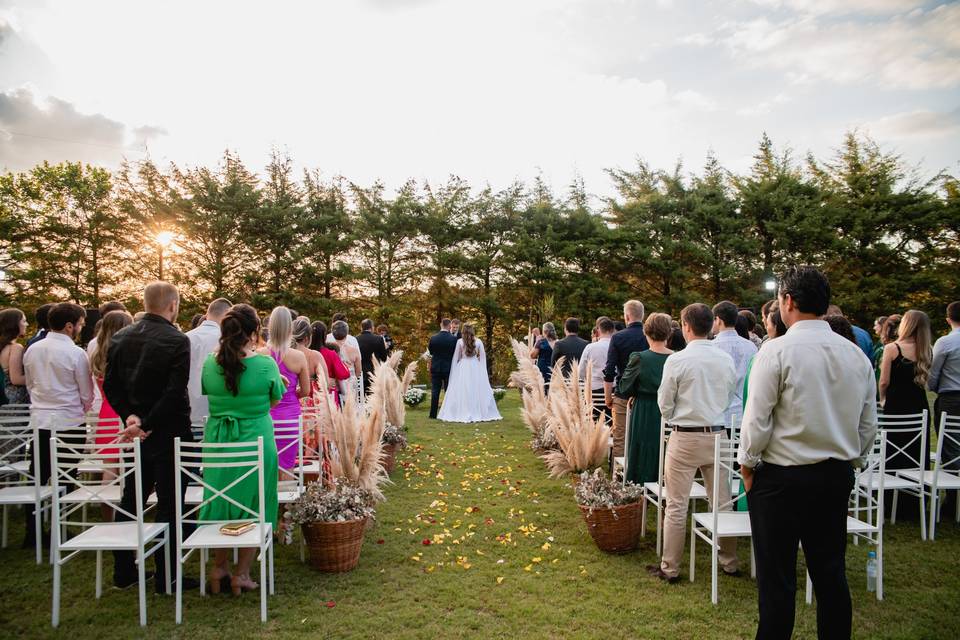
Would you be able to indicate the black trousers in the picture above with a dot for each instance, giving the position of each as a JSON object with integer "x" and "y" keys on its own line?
{"x": 804, "y": 504}
{"x": 76, "y": 436}
{"x": 438, "y": 381}
{"x": 158, "y": 475}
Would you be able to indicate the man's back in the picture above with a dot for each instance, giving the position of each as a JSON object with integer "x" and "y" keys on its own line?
{"x": 59, "y": 382}
{"x": 697, "y": 385}
{"x": 203, "y": 341}
{"x": 571, "y": 348}
{"x": 442, "y": 346}
{"x": 371, "y": 345}
{"x": 741, "y": 351}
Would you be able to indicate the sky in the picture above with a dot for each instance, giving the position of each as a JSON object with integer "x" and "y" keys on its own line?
{"x": 492, "y": 90}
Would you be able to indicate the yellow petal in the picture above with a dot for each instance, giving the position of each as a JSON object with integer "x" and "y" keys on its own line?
{"x": 529, "y": 567}
{"x": 499, "y": 579}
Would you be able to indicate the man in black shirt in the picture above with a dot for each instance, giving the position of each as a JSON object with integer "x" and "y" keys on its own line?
{"x": 570, "y": 348}
{"x": 148, "y": 365}
{"x": 622, "y": 344}
{"x": 371, "y": 345}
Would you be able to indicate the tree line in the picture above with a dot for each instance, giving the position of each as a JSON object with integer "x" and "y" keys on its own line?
{"x": 505, "y": 259}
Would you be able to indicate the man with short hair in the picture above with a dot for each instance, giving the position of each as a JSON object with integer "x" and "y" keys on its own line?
{"x": 595, "y": 354}
{"x": 43, "y": 326}
{"x": 739, "y": 349}
{"x": 944, "y": 380}
{"x": 204, "y": 340}
{"x": 570, "y": 347}
{"x": 371, "y": 346}
{"x": 811, "y": 416}
{"x": 695, "y": 390}
{"x": 58, "y": 379}
{"x": 863, "y": 339}
{"x": 455, "y": 328}
{"x": 148, "y": 367}
{"x": 441, "y": 347}
{"x": 622, "y": 344}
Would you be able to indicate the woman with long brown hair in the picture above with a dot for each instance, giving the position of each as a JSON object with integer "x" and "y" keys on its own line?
{"x": 469, "y": 397}
{"x": 13, "y": 326}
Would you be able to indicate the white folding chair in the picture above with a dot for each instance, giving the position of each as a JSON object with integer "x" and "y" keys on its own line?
{"x": 940, "y": 480}
{"x": 135, "y": 535}
{"x": 310, "y": 462}
{"x": 247, "y": 459}
{"x": 18, "y": 445}
{"x": 720, "y": 521}
{"x": 15, "y": 410}
{"x": 290, "y": 481}
{"x": 865, "y": 519}
{"x": 621, "y": 461}
{"x": 655, "y": 493}
{"x": 911, "y": 432}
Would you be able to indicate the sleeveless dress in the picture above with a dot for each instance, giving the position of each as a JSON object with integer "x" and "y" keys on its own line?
{"x": 242, "y": 418}
{"x": 544, "y": 356}
{"x": 288, "y": 409}
{"x": 641, "y": 380}
{"x": 107, "y": 433}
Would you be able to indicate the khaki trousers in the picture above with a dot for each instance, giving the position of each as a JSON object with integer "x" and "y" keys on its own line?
{"x": 619, "y": 425}
{"x": 687, "y": 452}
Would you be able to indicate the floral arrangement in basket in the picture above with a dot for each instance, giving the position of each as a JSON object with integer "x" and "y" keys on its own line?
{"x": 529, "y": 380}
{"x": 582, "y": 439}
{"x": 413, "y": 396}
{"x": 345, "y": 501}
{"x": 393, "y": 434}
{"x": 499, "y": 394}
{"x": 596, "y": 490}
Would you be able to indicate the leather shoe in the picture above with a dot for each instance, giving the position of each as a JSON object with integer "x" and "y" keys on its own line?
{"x": 129, "y": 581}
{"x": 658, "y": 573}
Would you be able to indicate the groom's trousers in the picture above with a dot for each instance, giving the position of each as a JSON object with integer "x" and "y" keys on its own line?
{"x": 439, "y": 381}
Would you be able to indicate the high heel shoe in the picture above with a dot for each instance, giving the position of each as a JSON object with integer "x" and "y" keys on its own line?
{"x": 217, "y": 580}
{"x": 239, "y": 584}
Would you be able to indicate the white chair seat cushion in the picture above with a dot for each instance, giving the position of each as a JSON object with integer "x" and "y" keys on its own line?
{"x": 729, "y": 523}
{"x": 24, "y": 494}
{"x": 944, "y": 480}
{"x": 209, "y": 536}
{"x": 286, "y": 497}
{"x": 859, "y": 526}
{"x": 311, "y": 467}
{"x": 697, "y": 491}
{"x": 114, "y": 535}
{"x": 890, "y": 481}
{"x": 106, "y": 493}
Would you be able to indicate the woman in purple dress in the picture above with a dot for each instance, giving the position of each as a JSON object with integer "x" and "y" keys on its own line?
{"x": 295, "y": 370}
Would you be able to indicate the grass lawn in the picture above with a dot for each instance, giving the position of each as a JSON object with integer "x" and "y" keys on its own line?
{"x": 509, "y": 557}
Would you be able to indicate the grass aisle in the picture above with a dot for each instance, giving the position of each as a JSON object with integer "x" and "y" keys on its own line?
{"x": 475, "y": 541}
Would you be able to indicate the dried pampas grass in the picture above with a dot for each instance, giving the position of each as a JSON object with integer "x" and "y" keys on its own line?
{"x": 529, "y": 380}
{"x": 388, "y": 388}
{"x": 583, "y": 440}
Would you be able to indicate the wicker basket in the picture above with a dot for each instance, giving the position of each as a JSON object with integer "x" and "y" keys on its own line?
{"x": 334, "y": 547}
{"x": 618, "y": 533}
{"x": 389, "y": 457}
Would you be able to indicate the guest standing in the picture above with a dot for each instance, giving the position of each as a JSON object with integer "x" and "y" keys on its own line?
{"x": 860, "y": 335}
{"x": 293, "y": 368}
{"x": 337, "y": 373}
{"x": 595, "y": 355}
{"x": 371, "y": 346}
{"x": 204, "y": 339}
{"x": 148, "y": 366}
{"x": 695, "y": 390}
{"x": 810, "y": 417}
{"x": 640, "y": 383}
{"x": 41, "y": 315}
{"x": 384, "y": 332}
{"x": 751, "y": 320}
{"x": 740, "y": 350}
{"x": 944, "y": 380}
{"x": 542, "y": 352}
{"x": 570, "y": 348}
{"x": 57, "y": 375}
{"x": 441, "y": 347}
{"x": 622, "y": 344}
{"x": 241, "y": 386}
{"x": 109, "y": 424}
{"x": 13, "y": 326}
{"x": 349, "y": 355}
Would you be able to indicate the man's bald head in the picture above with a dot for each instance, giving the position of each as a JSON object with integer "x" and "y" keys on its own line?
{"x": 162, "y": 299}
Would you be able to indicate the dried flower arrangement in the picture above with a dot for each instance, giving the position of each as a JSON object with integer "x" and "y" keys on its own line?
{"x": 582, "y": 439}
{"x": 598, "y": 490}
{"x": 343, "y": 502}
{"x": 529, "y": 380}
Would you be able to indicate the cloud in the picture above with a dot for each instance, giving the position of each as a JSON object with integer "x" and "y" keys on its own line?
{"x": 764, "y": 107}
{"x": 695, "y": 101}
{"x": 920, "y": 50}
{"x": 823, "y": 7}
{"x": 33, "y": 130}
{"x": 920, "y": 123}
{"x": 697, "y": 39}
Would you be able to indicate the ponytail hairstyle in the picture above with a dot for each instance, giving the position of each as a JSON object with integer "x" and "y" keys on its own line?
{"x": 108, "y": 325}
{"x": 301, "y": 331}
{"x": 280, "y": 331}
{"x": 890, "y": 328}
{"x": 318, "y": 335}
{"x": 915, "y": 325}
{"x": 469, "y": 340}
{"x": 235, "y": 331}
{"x": 10, "y": 326}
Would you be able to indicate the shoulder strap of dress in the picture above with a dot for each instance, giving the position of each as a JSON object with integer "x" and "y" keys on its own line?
{"x": 899, "y": 352}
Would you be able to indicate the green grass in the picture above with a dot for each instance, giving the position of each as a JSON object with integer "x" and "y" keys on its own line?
{"x": 574, "y": 591}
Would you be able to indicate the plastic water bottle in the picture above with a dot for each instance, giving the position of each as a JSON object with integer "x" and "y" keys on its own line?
{"x": 872, "y": 571}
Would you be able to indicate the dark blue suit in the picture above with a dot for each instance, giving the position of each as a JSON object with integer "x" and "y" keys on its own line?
{"x": 441, "y": 347}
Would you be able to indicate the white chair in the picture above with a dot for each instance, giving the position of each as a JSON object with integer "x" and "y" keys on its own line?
{"x": 940, "y": 480}
{"x": 15, "y": 410}
{"x": 247, "y": 459}
{"x": 290, "y": 481}
{"x": 655, "y": 493}
{"x": 720, "y": 521}
{"x": 18, "y": 445}
{"x": 865, "y": 520}
{"x": 911, "y": 432}
{"x": 310, "y": 460}
{"x": 621, "y": 461}
{"x": 135, "y": 535}
{"x": 95, "y": 425}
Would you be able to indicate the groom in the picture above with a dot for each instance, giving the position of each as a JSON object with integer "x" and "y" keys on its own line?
{"x": 441, "y": 348}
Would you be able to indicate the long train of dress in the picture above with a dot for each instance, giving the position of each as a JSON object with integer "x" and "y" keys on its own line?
{"x": 469, "y": 397}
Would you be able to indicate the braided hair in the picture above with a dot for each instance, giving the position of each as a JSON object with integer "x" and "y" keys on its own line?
{"x": 235, "y": 330}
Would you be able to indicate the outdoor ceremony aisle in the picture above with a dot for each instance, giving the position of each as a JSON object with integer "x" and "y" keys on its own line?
{"x": 475, "y": 541}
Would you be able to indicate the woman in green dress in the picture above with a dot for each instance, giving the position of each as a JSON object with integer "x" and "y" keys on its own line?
{"x": 640, "y": 382}
{"x": 242, "y": 386}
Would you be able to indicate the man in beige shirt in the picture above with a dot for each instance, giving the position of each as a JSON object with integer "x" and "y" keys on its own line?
{"x": 696, "y": 388}
{"x": 810, "y": 417}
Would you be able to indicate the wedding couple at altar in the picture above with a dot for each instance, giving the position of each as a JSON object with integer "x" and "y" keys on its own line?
{"x": 458, "y": 365}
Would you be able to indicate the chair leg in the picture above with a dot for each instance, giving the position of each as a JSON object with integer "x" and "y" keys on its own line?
{"x": 660, "y": 523}
{"x": 4, "y": 533}
{"x": 142, "y": 588}
{"x": 643, "y": 517}
{"x": 39, "y": 533}
{"x": 99, "y": 573}
{"x": 893, "y": 512}
{"x": 179, "y": 588}
{"x": 934, "y": 507}
{"x": 856, "y": 511}
{"x": 753, "y": 560}
{"x": 714, "y": 547}
{"x": 923, "y": 512}
{"x": 273, "y": 585}
{"x": 203, "y": 572}
{"x": 55, "y": 614}
{"x": 880, "y": 567}
{"x": 166, "y": 560}
{"x": 693, "y": 548}
{"x": 263, "y": 585}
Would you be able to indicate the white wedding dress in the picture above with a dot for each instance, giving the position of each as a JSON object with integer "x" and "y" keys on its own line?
{"x": 469, "y": 397}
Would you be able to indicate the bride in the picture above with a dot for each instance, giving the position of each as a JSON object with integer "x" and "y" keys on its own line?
{"x": 469, "y": 397}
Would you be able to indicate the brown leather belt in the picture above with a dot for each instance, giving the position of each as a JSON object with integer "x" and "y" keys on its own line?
{"x": 712, "y": 429}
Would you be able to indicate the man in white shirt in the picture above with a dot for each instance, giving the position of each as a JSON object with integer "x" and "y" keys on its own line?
{"x": 204, "y": 340}
{"x": 595, "y": 354}
{"x": 811, "y": 417}
{"x": 695, "y": 390}
{"x": 739, "y": 349}
{"x": 61, "y": 389}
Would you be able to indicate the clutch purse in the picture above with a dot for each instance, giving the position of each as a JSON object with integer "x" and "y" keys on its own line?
{"x": 237, "y": 528}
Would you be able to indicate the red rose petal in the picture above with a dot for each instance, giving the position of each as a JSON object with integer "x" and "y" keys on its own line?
{"x": 331, "y": 604}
